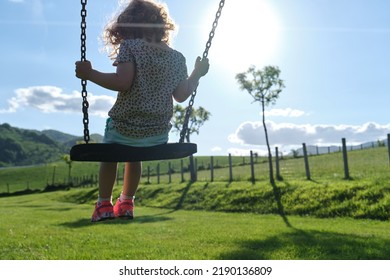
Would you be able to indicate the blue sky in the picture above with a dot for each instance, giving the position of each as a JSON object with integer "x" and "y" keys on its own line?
{"x": 333, "y": 56}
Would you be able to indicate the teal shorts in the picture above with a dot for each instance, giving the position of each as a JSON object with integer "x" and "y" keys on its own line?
{"x": 113, "y": 136}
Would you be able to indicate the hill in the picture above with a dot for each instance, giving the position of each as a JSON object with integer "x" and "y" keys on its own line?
{"x": 58, "y": 136}
{"x": 29, "y": 147}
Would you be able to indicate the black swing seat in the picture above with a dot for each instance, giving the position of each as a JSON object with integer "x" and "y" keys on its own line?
{"x": 124, "y": 153}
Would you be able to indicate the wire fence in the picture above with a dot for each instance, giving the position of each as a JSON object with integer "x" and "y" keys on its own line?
{"x": 308, "y": 162}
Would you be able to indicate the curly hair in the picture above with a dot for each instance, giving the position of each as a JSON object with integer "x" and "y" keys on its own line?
{"x": 141, "y": 19}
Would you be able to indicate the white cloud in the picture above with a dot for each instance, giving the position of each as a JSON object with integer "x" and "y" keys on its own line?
{"x": 51, "y": 99}
{"x": 287, "y": 112}
{"x": 284, "y": 134}
{"x": 16, "y": 1}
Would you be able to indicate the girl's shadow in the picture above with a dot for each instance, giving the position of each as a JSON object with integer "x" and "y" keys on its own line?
{"x": 137, "y": 220}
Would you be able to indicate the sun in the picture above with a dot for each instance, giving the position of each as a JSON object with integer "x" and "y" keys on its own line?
{"x": 248, "y": 34}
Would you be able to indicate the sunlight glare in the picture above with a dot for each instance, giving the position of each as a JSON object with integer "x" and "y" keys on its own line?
{"x": 248, "y": 34}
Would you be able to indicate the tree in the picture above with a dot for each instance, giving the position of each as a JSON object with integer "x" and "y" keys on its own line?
{"x": 197, "y": 118}
{"x": 264, "y": 86}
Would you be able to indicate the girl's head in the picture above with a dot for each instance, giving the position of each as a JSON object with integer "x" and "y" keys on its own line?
{"x": 141, "y": 19}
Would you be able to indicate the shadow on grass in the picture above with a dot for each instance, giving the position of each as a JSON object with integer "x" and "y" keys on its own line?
{"x": 137, "y": 220}
{"x": 311, "y": 245}
{"x": 58, "y": 209}
{"x": 84, "y": 197}
{"x": 183, "y": 196}
{"x": 47, "y": 208}
{"x": 278, "y": 199}
{"x": 20, "y": 193}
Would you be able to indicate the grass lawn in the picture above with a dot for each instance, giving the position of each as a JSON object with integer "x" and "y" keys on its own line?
{"x": 41, "y": 226}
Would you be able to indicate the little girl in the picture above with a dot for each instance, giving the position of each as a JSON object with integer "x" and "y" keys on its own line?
{"x": 149, "y": 75}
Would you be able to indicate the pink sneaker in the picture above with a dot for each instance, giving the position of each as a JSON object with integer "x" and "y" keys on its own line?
{"x": 124, "y": 208}
{"x": 103, "y": 211}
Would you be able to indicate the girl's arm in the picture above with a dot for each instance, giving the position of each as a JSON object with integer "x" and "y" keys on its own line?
{"x": 119, "y": 81}
{"x": 187, "y": 87}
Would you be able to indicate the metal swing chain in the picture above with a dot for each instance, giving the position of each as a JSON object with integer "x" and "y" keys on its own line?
{"x": 184, "y": 132}
{"x": 84, "y": 93}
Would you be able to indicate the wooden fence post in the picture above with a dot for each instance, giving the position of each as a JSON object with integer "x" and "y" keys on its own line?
{"x": 388, "y": 145}
{"x": 345, "y": 158}
{"x": 170, "y": 172}
{"x": 278, "y": 177}
{"x": 193, "y": 167}
{"x": 252, "y": 169}
{"x": 182, "y": 170}
{"x": 196, "y": 169}
{"x": 158, "y": 173}
{"x": 230, "y": 168}
{"x": 307, "y": 167}
{"x": 53, "y": 178}
{"x": 148, "y": 175}
{"x": 212, "y": 169}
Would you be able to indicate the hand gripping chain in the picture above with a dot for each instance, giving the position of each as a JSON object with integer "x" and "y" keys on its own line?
{"x": 184, "y": 132}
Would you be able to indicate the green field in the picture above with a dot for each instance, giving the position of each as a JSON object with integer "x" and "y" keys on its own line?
{"x": 367, "y": 165}
{"x": 327, "y": 217}
{"x": 44, "y": 226}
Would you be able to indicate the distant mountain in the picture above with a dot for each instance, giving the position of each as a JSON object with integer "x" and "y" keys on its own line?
{"x": 68, "y": 140}
{"x": 58, "y": 136}
{"x": 29, "y": 147}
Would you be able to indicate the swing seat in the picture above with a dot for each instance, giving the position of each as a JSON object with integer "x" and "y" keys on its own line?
{"x": 124, "y": 153}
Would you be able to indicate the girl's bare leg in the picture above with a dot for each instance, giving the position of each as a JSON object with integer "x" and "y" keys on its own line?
{"x": 107, "y": 177}
{"x": 132, "y": 178}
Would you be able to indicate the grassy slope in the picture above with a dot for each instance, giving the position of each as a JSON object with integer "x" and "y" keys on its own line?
{"x": 44, "y": 226}
{"x": 349, "y": 199}
{"x": 326, "y": 195}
